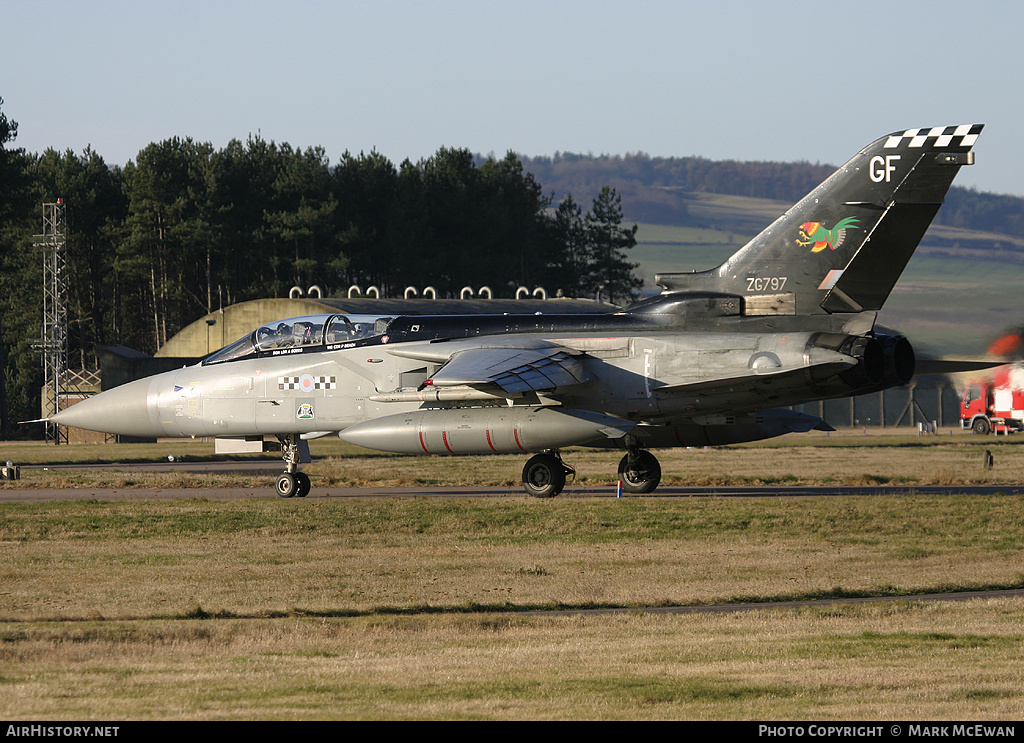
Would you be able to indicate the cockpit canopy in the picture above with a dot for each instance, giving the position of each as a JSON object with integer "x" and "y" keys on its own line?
{"x": 298, "y": 333}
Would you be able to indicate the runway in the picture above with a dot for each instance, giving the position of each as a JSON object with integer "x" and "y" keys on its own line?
{"x": 11, "y": 493}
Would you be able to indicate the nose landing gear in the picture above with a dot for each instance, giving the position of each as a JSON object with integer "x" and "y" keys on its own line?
{"x": 291, "y": 483}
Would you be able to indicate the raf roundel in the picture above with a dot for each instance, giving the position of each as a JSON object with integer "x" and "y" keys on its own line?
{"x": 307, "y": 383}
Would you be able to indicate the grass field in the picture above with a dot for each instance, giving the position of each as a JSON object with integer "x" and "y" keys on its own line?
{"x": 413, "y": 608}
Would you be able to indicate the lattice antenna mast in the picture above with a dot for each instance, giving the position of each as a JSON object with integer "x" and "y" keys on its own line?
{"x": 54, "y": 340}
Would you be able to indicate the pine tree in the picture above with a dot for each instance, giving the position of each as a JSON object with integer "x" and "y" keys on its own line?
{"x": 608, "y": 271}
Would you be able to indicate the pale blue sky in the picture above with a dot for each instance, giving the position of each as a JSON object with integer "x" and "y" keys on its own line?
{"x": 743, "y": 80}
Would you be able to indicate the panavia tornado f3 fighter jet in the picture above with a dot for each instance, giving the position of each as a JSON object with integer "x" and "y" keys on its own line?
{"x": 714, "y": 359}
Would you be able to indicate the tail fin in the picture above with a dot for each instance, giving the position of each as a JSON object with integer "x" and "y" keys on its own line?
{"x": 844, "y": 245}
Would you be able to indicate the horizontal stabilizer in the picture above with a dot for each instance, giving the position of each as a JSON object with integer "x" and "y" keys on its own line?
{"x": 952, "y": 366}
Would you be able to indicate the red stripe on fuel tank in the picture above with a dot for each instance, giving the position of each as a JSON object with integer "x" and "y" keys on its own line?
{"x": 444, "y": 438}
{"x": 515, "y": 432}
{"x": 423, "y": 444}
{"x": 489, "y": 442}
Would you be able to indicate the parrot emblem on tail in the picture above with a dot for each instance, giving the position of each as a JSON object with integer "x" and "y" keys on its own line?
{"x": 821, "y": 237}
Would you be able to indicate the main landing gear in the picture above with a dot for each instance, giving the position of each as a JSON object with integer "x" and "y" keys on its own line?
{"x": 544, "y": 474}
{"x": 639, "y": 471}
{"x": 291, "y": 483}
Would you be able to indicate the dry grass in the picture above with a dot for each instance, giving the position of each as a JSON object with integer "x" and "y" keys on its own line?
{"x": 896, "y": 662}
{"x": 83, "y": 560}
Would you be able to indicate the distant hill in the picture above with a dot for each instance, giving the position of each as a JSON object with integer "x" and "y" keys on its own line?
{"x": 665, "y": 190}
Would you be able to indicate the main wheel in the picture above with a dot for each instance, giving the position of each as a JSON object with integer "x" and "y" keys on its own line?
{"x": 287, "y": 485}
{"x": 544, "y": 476}
{"x": 981, "y": 426}
{"x": 642, "y": 477}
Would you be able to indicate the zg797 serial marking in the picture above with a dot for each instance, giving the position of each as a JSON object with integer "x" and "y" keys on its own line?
{"x": 769, "y": 283}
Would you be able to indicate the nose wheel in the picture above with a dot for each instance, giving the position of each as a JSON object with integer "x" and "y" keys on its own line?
{"x": 292, "y": 483}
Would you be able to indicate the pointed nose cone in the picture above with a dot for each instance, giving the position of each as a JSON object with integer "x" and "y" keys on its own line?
{"x": 123, "y": 410}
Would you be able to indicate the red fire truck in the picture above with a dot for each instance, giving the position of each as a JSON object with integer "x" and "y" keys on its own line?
{"x": 995, "y": 404}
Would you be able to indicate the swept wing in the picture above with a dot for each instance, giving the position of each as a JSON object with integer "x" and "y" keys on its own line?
{"x": 514, "y": 367}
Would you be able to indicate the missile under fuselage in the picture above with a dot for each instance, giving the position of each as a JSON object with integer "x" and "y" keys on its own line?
{"x": 487, "y": 430}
